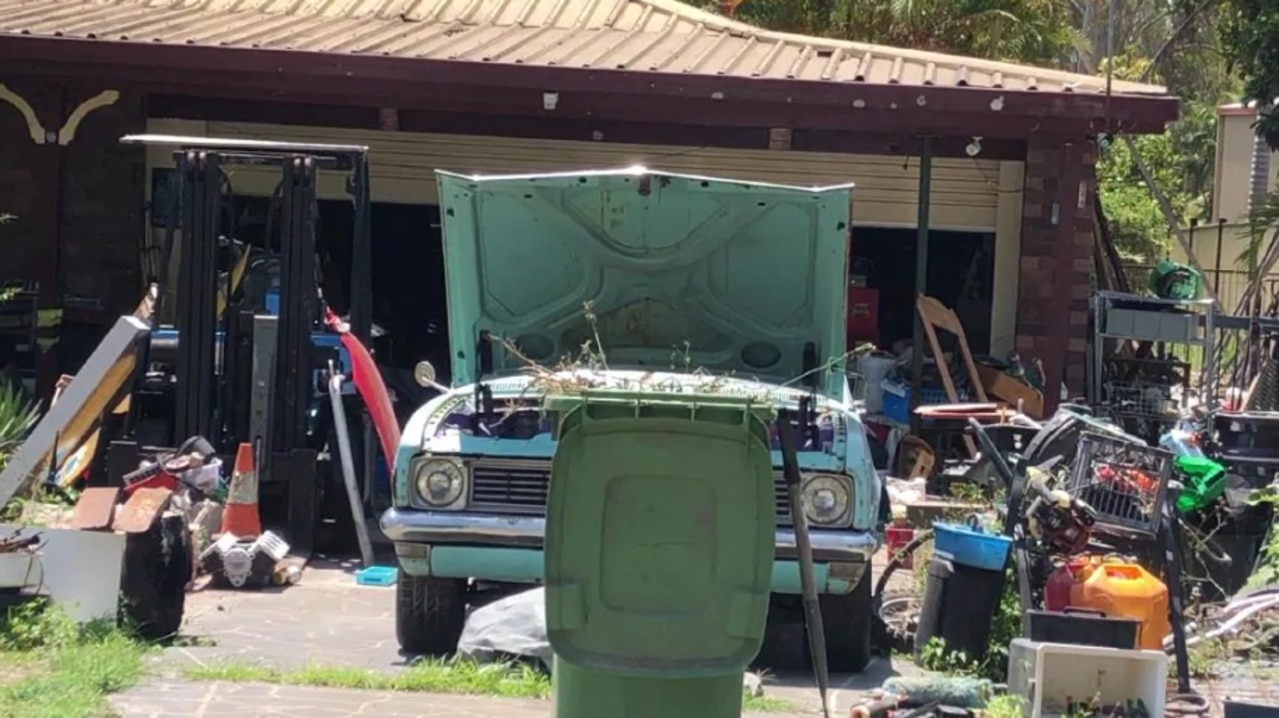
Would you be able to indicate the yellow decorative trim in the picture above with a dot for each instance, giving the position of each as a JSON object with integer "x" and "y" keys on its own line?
{"x": 66, "y": 135}
{"x": 34, "y": 128}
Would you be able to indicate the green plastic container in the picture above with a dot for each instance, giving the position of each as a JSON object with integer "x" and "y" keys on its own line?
{"x": 1204, "y": 481}
{"x": 660, "y": 535}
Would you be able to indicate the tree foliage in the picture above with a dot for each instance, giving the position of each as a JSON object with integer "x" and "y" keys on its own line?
{"x": 1250, "y": 33}
{"x": 1172, "y": 42}
{"x": 1019, "y": 30}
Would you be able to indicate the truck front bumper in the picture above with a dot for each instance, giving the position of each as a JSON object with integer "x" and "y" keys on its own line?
{"x": 509, "y": 549}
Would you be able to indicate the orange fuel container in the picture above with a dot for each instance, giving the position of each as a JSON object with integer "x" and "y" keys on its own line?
{"x": 1126, "y": 590}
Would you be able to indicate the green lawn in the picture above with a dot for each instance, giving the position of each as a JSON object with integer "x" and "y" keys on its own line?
{"x": 457, "y": 677}
{"x": 52, "y": 668}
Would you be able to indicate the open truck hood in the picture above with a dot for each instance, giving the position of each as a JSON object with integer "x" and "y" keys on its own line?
{"x": 671, "y": 271}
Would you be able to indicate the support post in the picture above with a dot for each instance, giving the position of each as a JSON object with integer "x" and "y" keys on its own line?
{"x": 298, "y": 304}
{"x": 198, "y": 279}
{"x": 361, "y": 299}
{"x": 921, "y": 277}
{"x": 1066, "y": 205}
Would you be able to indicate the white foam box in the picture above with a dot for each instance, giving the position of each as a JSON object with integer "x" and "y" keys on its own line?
{"x": 1050, "y": 675}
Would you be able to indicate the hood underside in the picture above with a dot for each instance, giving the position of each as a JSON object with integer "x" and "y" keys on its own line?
{"x": 667, "y": 271}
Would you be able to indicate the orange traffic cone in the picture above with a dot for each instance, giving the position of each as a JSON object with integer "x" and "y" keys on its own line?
{"x": 240, "y": 516}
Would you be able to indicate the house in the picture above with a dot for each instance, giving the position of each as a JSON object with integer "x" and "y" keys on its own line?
{"x": 1244, "y": 170}
{"x": 516, "y": 85}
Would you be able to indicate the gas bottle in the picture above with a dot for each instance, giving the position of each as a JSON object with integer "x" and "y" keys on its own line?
{"x": 1064, "y": 578}
{"x": 1125, "y": 590}
{"x": 897, "y": 536}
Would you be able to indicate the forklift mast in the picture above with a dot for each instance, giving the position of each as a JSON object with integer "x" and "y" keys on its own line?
{"x": 264, "y": 388}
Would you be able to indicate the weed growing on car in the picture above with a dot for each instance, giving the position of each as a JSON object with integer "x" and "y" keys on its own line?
{"x": 574, "y": 374}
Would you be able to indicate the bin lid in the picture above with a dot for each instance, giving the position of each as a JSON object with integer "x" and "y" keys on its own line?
{"x": 659, "y": 533}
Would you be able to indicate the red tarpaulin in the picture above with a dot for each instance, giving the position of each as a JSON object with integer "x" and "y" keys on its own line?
{"x": 368, "y": 382}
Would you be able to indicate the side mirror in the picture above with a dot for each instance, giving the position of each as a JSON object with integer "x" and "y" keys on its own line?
{"x": 424, "y": 375}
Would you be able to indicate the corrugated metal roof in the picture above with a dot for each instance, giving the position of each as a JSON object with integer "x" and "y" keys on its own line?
{"x": 636, "y": 35}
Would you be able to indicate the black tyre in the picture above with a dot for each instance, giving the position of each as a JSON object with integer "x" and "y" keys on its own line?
{"x": 848, "y": 620}
{"x": 429, "y": 613}
{"x": 157, "y": 567}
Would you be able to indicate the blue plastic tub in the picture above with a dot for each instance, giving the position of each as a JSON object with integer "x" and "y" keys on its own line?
{"x": 377, "y": 576}
{"x": 896, "y": 403}
{"x": 967, "y": 546}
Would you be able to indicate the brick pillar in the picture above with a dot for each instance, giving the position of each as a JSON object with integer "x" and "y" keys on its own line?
{"x": 1056, "y": 262}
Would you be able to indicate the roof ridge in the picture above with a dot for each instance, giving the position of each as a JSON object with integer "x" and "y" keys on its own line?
{"x": 695, "y": 14}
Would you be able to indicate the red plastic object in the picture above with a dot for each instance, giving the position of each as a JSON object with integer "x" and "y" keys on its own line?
{"x": 897, "y": 536}
{"x": 1063, "y": 580}
{"x": 151, "y": 477}
{"x": 863, "y": 315}
{"x": 368, "y": 382}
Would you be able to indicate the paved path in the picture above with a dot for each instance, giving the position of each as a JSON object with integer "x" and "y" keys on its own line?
{"x": 329, "y": 621}
{"x": 248, "y": 700}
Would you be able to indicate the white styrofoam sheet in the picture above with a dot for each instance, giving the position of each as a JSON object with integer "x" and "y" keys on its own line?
{"x": 79, "y": 570}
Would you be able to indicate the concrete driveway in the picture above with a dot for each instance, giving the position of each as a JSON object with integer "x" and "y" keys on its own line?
{"x": 327, "y": 620}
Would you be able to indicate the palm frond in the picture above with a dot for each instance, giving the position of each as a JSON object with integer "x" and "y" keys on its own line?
{"x": 1263, "y": 217}
{"x": 17, "y": 415}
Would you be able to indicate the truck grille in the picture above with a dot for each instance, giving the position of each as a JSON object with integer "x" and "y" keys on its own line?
{"x": 514, "y": 486}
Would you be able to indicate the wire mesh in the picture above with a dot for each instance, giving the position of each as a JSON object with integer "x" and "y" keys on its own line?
{"x": 1126, "y": 483}
{"x": 1152, "y": 400}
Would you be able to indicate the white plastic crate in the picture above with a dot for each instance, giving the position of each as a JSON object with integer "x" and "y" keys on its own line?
{"x": 1049, "y": 676}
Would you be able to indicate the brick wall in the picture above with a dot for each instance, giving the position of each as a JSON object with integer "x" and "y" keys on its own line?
{"x": 1056, "y": 258}
{"x": 103, "y": 216}
{"x": 86, "y": 199}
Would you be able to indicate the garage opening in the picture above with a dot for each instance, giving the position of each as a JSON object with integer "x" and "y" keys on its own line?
{"x": 961, "y": 268}
{"x": 409, "y": 311}
{"x": 409, "y": 303}
{"x": 408, "y": 278}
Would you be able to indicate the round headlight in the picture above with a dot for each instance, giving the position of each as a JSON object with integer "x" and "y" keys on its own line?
{"x": 826, "y": 499}
{"x": 440, "y": 483}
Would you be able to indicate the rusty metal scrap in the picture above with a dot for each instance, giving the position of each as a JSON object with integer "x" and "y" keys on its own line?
{"x": 141, "y": 511}
{"x": 15, "y": 542}
{"x": 95, "y": 509}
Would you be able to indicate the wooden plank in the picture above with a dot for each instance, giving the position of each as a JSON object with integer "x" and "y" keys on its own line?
{"x": 934, "y": 315}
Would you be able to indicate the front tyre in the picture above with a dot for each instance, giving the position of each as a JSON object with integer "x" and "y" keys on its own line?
{"x": 848, "y": 620}
{"x": 429, "y": 614}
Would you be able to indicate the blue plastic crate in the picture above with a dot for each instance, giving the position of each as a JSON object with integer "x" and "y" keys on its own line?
{"x": 897, "y": 399}
{"x": 971, "y": 547}
{"x": 377, "y": 576}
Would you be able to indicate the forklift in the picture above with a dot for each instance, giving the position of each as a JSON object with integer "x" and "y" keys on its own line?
{"x": 246, "y": 359}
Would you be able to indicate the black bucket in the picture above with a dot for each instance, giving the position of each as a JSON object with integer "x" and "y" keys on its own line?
{"x": 959, "y": 607}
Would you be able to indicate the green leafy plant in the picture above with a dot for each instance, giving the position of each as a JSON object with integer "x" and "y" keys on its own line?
{"x": 1005, "y": 707}
{"x": 17, "y": 415}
